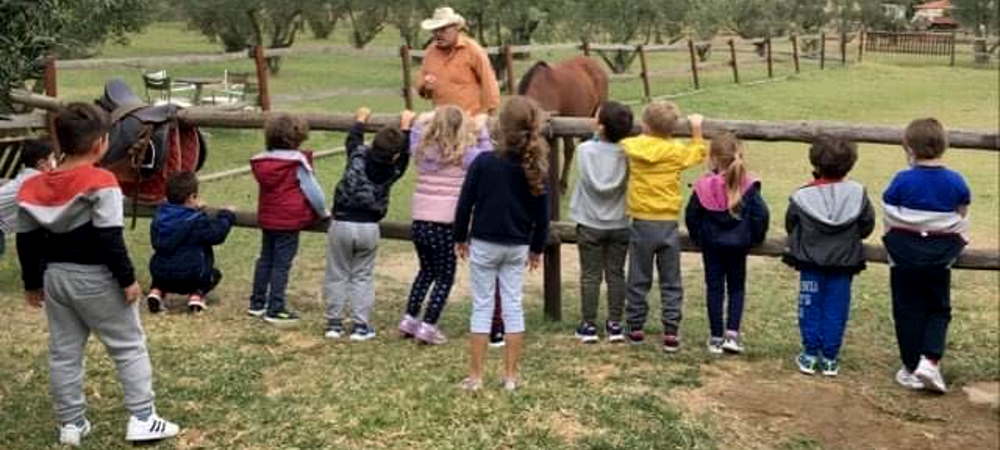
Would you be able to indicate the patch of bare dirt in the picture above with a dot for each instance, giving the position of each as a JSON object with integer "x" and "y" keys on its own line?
{"x": 761, "y": 405}
{"x": 984, "y": 393}
{"x": 565, "y": 425}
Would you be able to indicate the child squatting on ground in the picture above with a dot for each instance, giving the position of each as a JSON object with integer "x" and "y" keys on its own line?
{"x": 505, "y": 198}
{"x": 598, "y": 208}
{"x": 443, "y": 143}
{"x": 826, "y": 221}
{"x": 182, "y": 236}
{"x": 289, "y": 200}
{"x": 73, "y": 259}
{"x": 725, "y": 216}
{"x": 36, "y": 157}
{"x": 656, "y": 161}
{"x": 360, "y": 201}
{"x": 926, "y": 209}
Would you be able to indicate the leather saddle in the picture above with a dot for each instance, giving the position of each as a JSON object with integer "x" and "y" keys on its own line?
{"x": 146, "y": 143}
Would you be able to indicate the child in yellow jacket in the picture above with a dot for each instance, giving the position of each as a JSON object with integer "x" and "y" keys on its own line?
{"x": 656, "y": 161}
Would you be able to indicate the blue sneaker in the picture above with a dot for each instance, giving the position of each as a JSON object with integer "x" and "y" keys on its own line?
{"x": 831, "y": 367}
{"x": 807, "y": 363}
{"x": 362, "y": 332}
{"x": 614, "y": 331}
{"x": 587, "y": 333}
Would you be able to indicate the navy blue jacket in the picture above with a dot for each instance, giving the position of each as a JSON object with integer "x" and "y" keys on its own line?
{"x": 496, "y": 199}
{"x": 715, "y": 228}
{"x": 182, "y": 240}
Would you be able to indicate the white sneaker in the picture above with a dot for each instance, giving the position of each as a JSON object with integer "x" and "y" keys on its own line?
{"x": 70, "y": 434}
{"x": 151, "y": 429}
{"x": 930, "y": 375}
{"x": 908, "y": 380}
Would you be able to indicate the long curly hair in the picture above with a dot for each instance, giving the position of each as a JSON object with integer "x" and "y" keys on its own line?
{"x": 520, "y": 136}
{"x": 452, "y": 131}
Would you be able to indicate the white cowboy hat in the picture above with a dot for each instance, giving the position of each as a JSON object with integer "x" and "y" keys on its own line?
{"x": 443, "y": 17}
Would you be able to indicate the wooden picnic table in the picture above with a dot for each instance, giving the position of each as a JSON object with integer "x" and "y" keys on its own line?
{"x": 199, "y": 83}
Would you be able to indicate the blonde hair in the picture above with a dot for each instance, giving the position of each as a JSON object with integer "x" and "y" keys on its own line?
{"x": 660, "y": 117}
{"x": 726, "y": 156}
{"x": 452, "y": 131}
{"x": 520, "y": 134}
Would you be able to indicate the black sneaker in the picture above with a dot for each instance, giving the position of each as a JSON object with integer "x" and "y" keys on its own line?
{"x": 154, "y": 302}
{"x": 282, "y": 319}
{"x": 614, "y": 331}
{"x": 334, "y": 329}
{"x": 587, "y": 333}
{"x": 362, "y": 332}
{"x": 496, "y": 337}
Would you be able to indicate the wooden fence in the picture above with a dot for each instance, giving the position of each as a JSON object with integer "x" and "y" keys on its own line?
{"x": 800, "y": 131}
{"x": 922, "y": 44}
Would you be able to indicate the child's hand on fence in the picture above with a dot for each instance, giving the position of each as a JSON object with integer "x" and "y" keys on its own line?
{"x": 34, "y": 298}
{"x": 534, "y": 260}
{"x": 362, "y": 114}
{"x": 406, "y": 119}
{"x": 695, "y": 121}
{"x": 462, "y": 250}
{"x": 132, "y": 293}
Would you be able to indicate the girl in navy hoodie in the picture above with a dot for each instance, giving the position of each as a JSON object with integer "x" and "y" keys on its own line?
{"x": 725, "y": 217}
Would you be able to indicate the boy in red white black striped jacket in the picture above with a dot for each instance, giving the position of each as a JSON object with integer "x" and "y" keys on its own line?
{"x": 73, "y": 259}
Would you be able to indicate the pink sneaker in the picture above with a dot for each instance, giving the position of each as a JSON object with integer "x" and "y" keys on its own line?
{"x": 430, "y": 334}
{"x": 408, "y": 327}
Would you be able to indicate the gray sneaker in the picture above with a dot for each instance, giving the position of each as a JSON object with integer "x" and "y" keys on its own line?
{"x": 71, "y": 434}
{"x": 908, "y": 380}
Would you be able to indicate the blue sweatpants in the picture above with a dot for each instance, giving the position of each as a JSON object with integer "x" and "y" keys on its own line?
{"x": 824, "y": 304}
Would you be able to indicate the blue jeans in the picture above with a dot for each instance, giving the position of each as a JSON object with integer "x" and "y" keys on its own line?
{"x": 277, "y": 250}
{"x": 725, "y": 272}
{"x": 824, "y": 304}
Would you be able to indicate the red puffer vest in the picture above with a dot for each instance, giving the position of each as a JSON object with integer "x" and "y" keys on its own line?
{"x": 281, "y": 205}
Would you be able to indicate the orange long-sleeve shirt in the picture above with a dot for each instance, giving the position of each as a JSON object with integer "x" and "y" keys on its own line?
{"x": 464, "y": 77}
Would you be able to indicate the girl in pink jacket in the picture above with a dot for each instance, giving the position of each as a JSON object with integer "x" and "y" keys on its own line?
{"x": 444, "y": 144}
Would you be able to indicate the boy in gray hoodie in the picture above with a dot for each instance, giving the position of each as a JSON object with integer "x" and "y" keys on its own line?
{"x": 826, "y": 221}
{"x": 598, "y": 208}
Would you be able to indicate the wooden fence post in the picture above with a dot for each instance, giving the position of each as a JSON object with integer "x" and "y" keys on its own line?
{"x": 264, "y": 92}
{"x": 404, "y": 54}
{"x": 795, "y": 52}
{"x": 586, "y": 48}
{"x": 694, "y": 64}
{"x": 770, "y": 68}
{"x": 52, "y": 90}
{"x": 508, "y": 59}
{"x": 861, "y": 45}
{"x": 822, "y": 51}
{"x": 843, "y": 48}
{"x": 552, "y": 264}
{"x": 952, "y": 50}
{"x": 732, "y": 61}
{"x": 645, "y": 72}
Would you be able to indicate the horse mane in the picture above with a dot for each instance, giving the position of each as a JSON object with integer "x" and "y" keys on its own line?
{"x": 522, "y": 86}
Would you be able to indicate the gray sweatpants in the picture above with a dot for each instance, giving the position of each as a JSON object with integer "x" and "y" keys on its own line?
{"x": 350, "y": 262}
{"x": 84, "y": 298}
{"x": 654, "y": 241}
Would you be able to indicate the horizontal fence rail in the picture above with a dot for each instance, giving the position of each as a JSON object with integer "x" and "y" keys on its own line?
{"x": 757, "y": 130}
{"x": 565, "y": 233}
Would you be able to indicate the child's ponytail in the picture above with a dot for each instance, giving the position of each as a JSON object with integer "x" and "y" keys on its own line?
{"x": 735, "y": 174}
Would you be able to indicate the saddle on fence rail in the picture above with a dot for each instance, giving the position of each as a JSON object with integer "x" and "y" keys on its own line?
{"x": 147, "y": 144}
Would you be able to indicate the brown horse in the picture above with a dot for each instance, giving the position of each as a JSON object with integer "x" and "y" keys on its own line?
{"x": 575, "y": 88}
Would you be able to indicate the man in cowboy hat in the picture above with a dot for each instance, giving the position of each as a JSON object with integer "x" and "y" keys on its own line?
{"x": 456, "y": 70}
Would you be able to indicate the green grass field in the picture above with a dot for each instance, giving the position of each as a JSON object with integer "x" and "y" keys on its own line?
{"x": 233, "y": 382}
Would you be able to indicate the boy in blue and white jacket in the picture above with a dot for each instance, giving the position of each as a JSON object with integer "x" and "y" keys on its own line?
{"x": 926, "y": 224}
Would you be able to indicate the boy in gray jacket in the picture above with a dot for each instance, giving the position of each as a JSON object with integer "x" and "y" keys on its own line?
{"x": 598, "y": 208}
